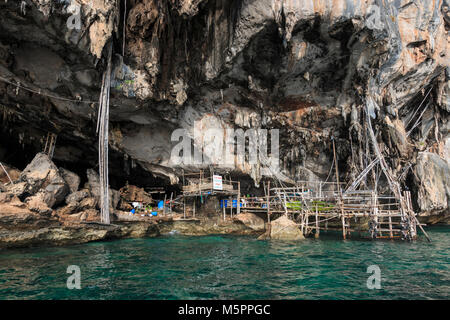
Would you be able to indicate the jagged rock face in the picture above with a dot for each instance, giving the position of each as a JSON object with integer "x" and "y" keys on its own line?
{"x": 252, "y": 221}
{"x": 42, "y": 178}
{"x": 285, "y": 229}
{"x": 93, "y": 185}
{"x": 308, "y": 68}
{"x": 433, "y": 175}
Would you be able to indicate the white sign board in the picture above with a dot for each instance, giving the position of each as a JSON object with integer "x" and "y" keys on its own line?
{"x": 217, "y": 182}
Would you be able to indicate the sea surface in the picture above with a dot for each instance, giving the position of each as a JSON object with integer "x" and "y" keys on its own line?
{"x": 232, "y": 267}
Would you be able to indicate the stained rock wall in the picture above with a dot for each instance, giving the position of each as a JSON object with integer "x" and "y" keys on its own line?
{"x": 313, "y": 69}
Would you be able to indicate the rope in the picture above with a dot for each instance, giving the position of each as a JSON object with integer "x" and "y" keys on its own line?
{"x": 426, "y": 96}
{"x": 103, "y": 130}
{"x": 45, "y": 94}
{"x": 333, "y": 217}
{"x": 331, "y": 169}
{"x": 6, "y": 173}
{"x": 418, "y": 119}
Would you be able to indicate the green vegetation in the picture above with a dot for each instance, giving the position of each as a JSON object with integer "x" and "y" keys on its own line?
{"x": 321, "y": 205}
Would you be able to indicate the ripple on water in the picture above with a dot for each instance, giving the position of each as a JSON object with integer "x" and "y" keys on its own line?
{"x": 225, "y": 267}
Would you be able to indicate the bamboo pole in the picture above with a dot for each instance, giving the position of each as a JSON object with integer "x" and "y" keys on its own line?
{"x": 339, "y": 191}
{"x": 317, "y": 223}
{"x": 269, "y": 224}
{"x": 223, "y": 207}
{"x": 103, "y": 132}
{"x": 239, "y": 198}
{"x": 307, "y": 222}
{"x": 48, "y": 137}
{"x": 231, "y": 206}
{"x": 391, "y": 234}
{"x": 124, "y": 27}
{"x": 199, "y": 186}
{"x": 164, "y": 204}
{"x": 6, "y": 173}
{"x": 421, "y": 228}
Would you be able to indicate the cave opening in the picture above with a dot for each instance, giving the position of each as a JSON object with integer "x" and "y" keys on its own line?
{"x": 20, "y": 144}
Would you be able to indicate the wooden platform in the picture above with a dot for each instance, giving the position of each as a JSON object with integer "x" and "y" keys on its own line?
{"x": 207, "y": 187}
{"x": 314, "y": 205}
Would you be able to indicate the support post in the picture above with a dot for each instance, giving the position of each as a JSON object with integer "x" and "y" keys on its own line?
{"x": 317, "y": 223}
{"x": 164, "y": 205}
{"x": 307, "y": 223}
{"x": 391, "y": 234}
{"x": 200, "y": 185}
{"x": 269, "y": 225}
{"x": 223, "y": 207}
{"x": 184, "y": 206}
{"x": 344, "y": 233}
{"x": 239, "y": 198}
{"x": 320, "y": 189}
{"x": 231, "y": 207}
{"x": 103, "y": 133}
{"x": 374, "y": 227}
{"x": 6, "y": 173}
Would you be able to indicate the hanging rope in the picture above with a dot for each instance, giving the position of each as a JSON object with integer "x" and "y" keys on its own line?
{"x": 39, "y": 92}
{"x": 418, "y": 120}
{"x": 418, "y": 108}
{"x": 102, "y": 131}
{"x": 6, "y": 173}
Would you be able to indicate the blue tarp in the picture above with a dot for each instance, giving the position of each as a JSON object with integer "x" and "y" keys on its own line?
{"x": 225, "y": 203}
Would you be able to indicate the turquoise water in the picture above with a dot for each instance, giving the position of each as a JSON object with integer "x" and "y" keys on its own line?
{"x": 229, "y": 267}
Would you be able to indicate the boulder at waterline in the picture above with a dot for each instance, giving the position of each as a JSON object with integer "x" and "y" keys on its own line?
{"x": 285, "y": 229}
{"x": 251, "y": 220}
{"x": 42, "y": 175}
{"x": 72, "y": 179}
{"x": 432, "y": 175}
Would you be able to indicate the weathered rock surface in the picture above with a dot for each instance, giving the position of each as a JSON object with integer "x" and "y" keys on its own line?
{"x": 251, "y": 220}
{"x": 12, "y": 172}
{"x": 21, "y": 226}
{"x": 36, "y": 203}
{"x": 433, "y": 175}
{"x": 72, "y": 179}
{"x": 30, "y": 224}
{"x": 74, "y": 234}
{"x": 134, "y": 193}
{"x": 313, "y": 69}
{"x": 93, "y": 185}
{"x": 77, "y": 196}
{"x": 285, "y": 229}
{"x": 205, "y": 227}
{"x": 42, "y": 178}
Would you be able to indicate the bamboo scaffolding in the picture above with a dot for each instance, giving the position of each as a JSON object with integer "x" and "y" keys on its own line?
{"x": 314, "y": 208}
{"x": 103, "y": 131}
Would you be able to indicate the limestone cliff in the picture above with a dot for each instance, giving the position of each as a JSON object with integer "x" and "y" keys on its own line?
{"x": 313, "y": 69}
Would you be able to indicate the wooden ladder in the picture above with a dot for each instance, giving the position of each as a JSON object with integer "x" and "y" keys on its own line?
{"x": 50, "y": 144}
